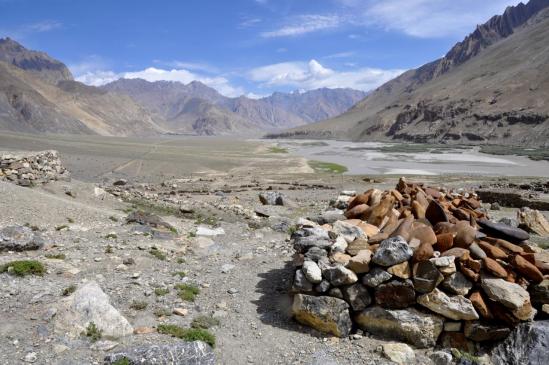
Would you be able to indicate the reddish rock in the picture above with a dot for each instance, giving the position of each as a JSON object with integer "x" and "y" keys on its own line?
{"x": 474, "y": 265}
{"x": 493, "y": 267}
{"x": 480, "y": 305}
{"x": 457, "y": 340}
{"x": 465, "y": 235}
{"x": 470, "y": 274}
{"x": 404, "y": 228}
{"x": 357, "y": 211}
{"x": 423, "y": 253}
{"x": 445, "y": 227}
{"x": 360, "y": 199}
{"x": 445, "y": 241}
{"x": 492, "y": 251}
{"x": 459, "y": 253}
{"x": 505, "y": 245}
{"x": 525, "y": 268}
{"x": 381, "y": 210}
{"x": 425, "y": 234}
{"x": 418, "y": 210}
{"x": 435, "y": 213}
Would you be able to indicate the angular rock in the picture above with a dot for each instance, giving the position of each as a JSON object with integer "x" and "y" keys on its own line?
{"x": 375, "y": 277}
{"x": 480, "y": 332}
{"x": 527, "y": 269}
{"x": 86, "y": 305}
{"x": 408, "y": 325}
{"x": 392, "y": 251}
{"x": 301, "y": 284}
{"x": 181, "y": 353}
{"x": 303, "y": 244}
{"x": 401, "y": 270}
{"x": 357, "y": 245}
{"x": 339, "y": 275}
{"x": 511, "y": 295}
{"x": 492, "y": 251}
{"x": 539, "y": 294}
{"x": 494, "y": 268}
{"x": 340, "y": 258}
{"x": 271, "y": 198}
{"x": 148, "y": 219}
{"x": 503, "y": 231}
{"x": 533, "y": 221}
{"x": 456, "y": 308}
{"x": 316, "y": 253}
{"x": 424, "y": 252}
{"x": 312, "y": 272}
{"x": 357, "y": 296}
{"x": 476, "y": 251}
{"x": 426, "y": 277}
{"x": 348, "y": 231}
{"x": 19, "y": 238}
{"x": 326, "y": 314}
{"x": 399, "y": 353}
{"x": 361, "y": 262}
{"x": 395, "y": 294}
{"x": 457, "y": 284}
{"x": 527, "y": 344}
{"x": 435, "y": 213}
{"x": 465, "y": 236}
{"x": 445, "y": 264}
{"x": 445, "y": 241}
{"x": 480, "y": 305}
{"x": 323, "y": 287}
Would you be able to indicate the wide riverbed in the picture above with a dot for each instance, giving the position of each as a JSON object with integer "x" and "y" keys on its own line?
{"x": 393, "y": 159}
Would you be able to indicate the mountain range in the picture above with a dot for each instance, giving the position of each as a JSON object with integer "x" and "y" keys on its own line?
{"x": 493, "y": 87}
{"x": 197, "y": 108}
{"x": 38, "y": 94}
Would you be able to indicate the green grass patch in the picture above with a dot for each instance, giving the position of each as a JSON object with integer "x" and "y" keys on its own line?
{"x": 536, "y": 154}
{"x": 327, "y": 167}
{"x": 111, "y": 236}
{"x": 204, "y": 322}
{"x": 109, "y": 249}
{"x": 161, "y": 291}
{"x": 139, "y": 305}
{"x": 23, "y": 268}
{"x": 187, "y": 292}
{"x": 56, "y": 256}
{"x": 162, "y": 312}
{"x": 93, "y": 333}
{"x": 187, "y": 334}
{"x": 209, "y": 220}
{"x": 181, "y": 274}
{"x": 69, "y": 290}
{"x": 278, "y": 150}
{"x": 157, "y": 253}
{"x": 122, "y": 361}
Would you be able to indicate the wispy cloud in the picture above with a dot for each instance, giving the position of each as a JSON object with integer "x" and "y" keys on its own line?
{"x": 424, "y": 18}
{"x": 305, "y": 24}
{"x": 23, "y": 31}
{"x": 340, "y": 55}
{"x": 248, "y": 22}
{"x": 313, "y": 75}
{"x": 195, "y": 66}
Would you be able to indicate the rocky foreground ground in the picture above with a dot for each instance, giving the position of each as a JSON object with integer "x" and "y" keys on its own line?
{"x": 122, "y": 270}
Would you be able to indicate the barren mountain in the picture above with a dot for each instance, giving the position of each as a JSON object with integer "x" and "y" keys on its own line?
{"x": 38, "y": 94}
{"x": 37, "y": 63}
{"x": 493, "y": 87}
{"x": 189, "y": 107}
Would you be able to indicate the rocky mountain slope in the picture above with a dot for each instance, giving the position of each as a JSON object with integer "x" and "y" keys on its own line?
{"x": 197, "y": 108}
{"x": 39, "y": 95}
{"x": 492, "y": 87}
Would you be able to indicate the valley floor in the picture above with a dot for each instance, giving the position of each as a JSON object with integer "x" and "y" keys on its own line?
{"x": 243, "y": 274}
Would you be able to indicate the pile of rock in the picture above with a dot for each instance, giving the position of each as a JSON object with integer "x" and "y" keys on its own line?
{"x": 417, "y": 264}
{"x": 31, "y": 168}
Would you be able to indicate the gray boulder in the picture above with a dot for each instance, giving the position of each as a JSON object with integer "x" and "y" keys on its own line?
{"x": 19, "y": 238}
{"x": 527, "y": 344}
{"x": 326, "y": 314}
{"x": 392, "y": 251}
{"x": 180, "y": 353}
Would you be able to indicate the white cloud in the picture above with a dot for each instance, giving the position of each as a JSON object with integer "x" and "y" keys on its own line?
{"x": 305, "y": 24}
{"x": 248, "y": 22}
{"x": 340, "y": 55}
{"x": 313, "y": 75}
{"x": 94, "y": 71}
{"x": 43, "y": 26}
{"x": 426, "y": 18}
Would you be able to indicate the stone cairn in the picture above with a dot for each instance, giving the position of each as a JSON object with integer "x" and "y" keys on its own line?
{"x": 416, "y": 264}
{"x": 32, "y": 168}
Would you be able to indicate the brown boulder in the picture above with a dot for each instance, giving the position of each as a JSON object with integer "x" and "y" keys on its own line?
{"x": 465, "y": 235}
{"x": 357, "y": 245}
{"x": 425, "y": 234}
{"x": 395, "y": 294}
{"x": 404, "y": 228}
{"x": 445, "y": 227}
{"x": 381, "y": 210}
{"x": 493, "y": 267}
{"x": 423, "y": 253}
{"x": 527, "y": 269}
{"x": 445, "y": 241}
{"x": 435, "y": 213}
{"x": 459, "y": 253}
{"x": 505, "y": 245}
{"x": 470, "y": 274}
{"x": 492, "y": 251}
{"x": 361, "y": 262}
{"x": 480, "y": 305}
{"x": 418, "y": 210}
{"x": 357, "y": 211}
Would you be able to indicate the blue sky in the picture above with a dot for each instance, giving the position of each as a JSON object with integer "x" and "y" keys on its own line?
{"x": 252, "y": 47}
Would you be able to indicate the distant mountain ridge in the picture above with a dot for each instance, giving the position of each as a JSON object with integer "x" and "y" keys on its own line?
{"x": 493, "y": 87}
{"x": 181, "y": 106}
{"x": 39, "y": 95}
